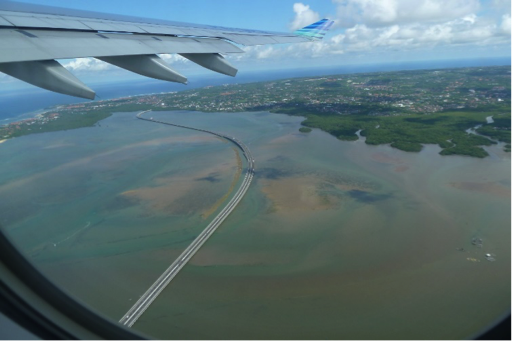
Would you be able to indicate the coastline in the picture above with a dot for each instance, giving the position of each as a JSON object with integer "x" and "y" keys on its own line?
{"x": 31, "y": 114}
{"x": 336, "y": 104}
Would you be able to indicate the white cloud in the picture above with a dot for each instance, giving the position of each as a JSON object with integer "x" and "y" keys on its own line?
{"x": 375, "y": 13}
{"x": 292, "y": 53}
{"x": 501, "y": 5}
{"x": 93, "y": 64}
{"x": 303, "y": 16}
{"x": 467, "y": 30}
{"x": 505, "y": 24}
{"x": 173, "y": 59}
{"x": 400, "y": 34}
{"x": 87, "y": 64}
{"x": 257, "y": 53}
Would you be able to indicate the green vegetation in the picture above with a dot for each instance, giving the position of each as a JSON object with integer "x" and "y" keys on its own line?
{"x": 499, "y": 129}
{"x": 305, "y": 130}
{"x": 407, "y": 146}
{"x": 66, "y": 117}
{"x": 404, "y": 109}
{"x": 54, "y": 122}
{"x": 408, "y": 133}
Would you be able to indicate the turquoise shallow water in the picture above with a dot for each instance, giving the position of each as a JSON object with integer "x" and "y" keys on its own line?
{"x": 332, "y": 237}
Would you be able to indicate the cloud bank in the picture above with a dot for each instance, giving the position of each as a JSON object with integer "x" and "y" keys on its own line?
{"x": 378, "y": 13}
{"x": 379, "y": 26}
{"x": 303, "y": 16}
{"x": 375, "y": 28}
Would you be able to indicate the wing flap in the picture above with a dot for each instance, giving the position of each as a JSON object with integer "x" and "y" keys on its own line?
{"x": 4, "y": 22}
{"x": 42, "y": 22}
{"x": 251, "y": 40}
{"x": 153, "y": 29}
{"x": 25, "y": 45}
{"x": 142, "y": 25}
{"x": 112, "y": 26}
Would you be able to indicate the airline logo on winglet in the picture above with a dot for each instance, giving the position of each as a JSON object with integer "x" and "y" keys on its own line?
{"x": 315, "y": 31}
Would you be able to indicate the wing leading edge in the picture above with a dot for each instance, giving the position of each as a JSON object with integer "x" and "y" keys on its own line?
{"x": 32, "y": 37}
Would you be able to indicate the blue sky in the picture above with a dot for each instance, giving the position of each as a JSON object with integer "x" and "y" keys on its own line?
{"x": 365, "y": 31}
{"x": 272, "y": 15}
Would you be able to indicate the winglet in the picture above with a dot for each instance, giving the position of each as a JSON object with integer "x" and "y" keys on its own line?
{"x": 315, "y": 31}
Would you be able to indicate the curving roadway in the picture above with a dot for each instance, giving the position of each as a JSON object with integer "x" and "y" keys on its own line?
{"x": 156, "y": 288}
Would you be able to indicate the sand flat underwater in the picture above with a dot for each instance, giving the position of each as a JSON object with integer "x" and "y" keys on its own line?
{"x": 333, "y": 240}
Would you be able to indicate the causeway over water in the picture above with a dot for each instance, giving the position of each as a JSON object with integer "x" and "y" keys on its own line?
{"x": 161, "y": 283}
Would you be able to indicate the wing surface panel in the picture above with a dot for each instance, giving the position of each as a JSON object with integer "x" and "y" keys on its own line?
{"x": 46, "y": 21}
{"x": 4, "y": 22}
{"x": 26, "y": 45}
{"x": 32, "y": 37}
{"x": 37, "y": 11}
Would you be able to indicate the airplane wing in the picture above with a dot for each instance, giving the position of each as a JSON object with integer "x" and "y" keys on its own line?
{"x": 32, "y": 37}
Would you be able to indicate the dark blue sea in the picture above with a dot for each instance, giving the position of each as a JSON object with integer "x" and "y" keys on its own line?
{"x": 14, "y": 104}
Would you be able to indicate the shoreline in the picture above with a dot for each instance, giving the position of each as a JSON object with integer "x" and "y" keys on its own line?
{"x": 405, "y": 122}
{"x": 24, "y": 116}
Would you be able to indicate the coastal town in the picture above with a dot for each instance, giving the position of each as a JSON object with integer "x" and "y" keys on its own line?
{"x": 331, "y": 103}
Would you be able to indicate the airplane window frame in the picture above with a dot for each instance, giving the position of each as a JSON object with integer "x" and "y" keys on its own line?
{"x": 35, "y": 303}
{"x": 31, "y": 300}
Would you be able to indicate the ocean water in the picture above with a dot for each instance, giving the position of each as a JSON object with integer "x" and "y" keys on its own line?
{"x": 333, "y": 240}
